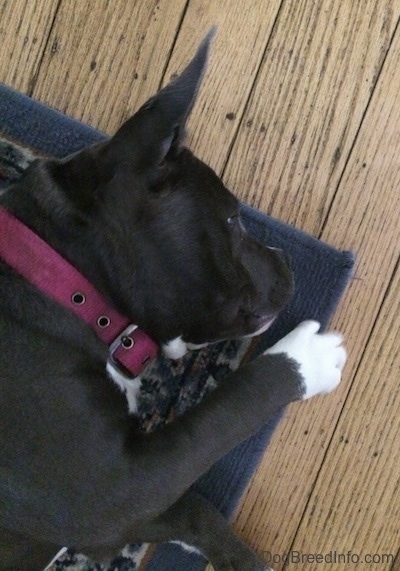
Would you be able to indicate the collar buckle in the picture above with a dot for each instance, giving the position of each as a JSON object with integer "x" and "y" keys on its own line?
{"x": 125, "y": 341}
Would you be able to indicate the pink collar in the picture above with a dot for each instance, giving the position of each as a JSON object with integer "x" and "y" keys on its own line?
{"x": 130, "y": 349}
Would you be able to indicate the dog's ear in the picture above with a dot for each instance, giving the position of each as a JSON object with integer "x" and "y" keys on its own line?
{"x": 141, "y": 143}
{"x": 158, "y": 127}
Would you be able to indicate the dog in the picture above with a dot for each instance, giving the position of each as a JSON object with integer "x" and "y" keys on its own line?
{"x": 156, "y": 239}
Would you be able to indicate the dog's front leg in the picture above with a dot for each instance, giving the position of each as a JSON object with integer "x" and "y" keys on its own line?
{"x": 151, "y": 472}
{"x": 302, "y": 364}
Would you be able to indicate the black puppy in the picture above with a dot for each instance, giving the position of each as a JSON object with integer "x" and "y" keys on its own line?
{"x": 159, "y": 238}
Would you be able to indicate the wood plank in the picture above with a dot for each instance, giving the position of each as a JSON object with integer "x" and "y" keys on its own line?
{"x": 369, "y": 202}
{"x": 24, "y": 29}
{"x": 355, "y": 505}
{"x": 311, "y": 93}
{"x": 237, "y": 50}
{"x": 106, "y": 58}
{"x": 364, "y": 217}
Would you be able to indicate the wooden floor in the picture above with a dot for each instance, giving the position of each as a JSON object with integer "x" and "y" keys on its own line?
{"x": 300, "y": 114}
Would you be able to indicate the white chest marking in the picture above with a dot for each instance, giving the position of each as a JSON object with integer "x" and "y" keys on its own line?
{"x": 175, "y": 349}
{"x": 130, "y": 387}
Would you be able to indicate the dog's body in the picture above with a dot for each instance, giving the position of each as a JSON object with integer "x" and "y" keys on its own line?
{"x": 156, "y": 232}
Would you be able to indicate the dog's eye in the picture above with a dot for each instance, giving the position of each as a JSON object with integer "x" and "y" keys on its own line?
{"x": 232, "y": 219}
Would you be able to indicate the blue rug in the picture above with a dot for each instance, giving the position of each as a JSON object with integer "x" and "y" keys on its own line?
{"x": 29, "y": 129}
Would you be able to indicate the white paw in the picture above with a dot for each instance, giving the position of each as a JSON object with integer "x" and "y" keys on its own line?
{"x": 320, "y": 356}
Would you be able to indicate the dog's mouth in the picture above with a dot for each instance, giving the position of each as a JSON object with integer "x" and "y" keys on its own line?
{"x": 264, "y": 323}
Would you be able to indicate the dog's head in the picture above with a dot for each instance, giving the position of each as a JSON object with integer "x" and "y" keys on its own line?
{"x": 164, "y": 234}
